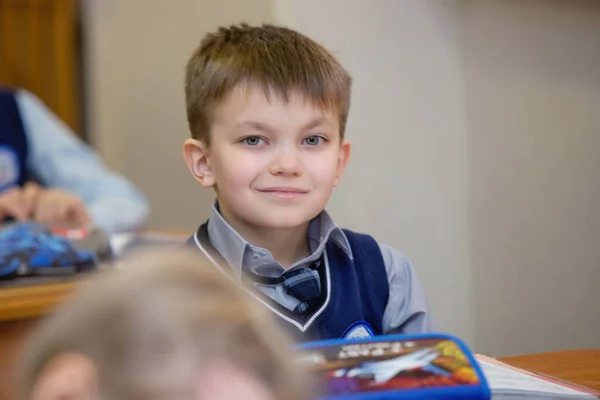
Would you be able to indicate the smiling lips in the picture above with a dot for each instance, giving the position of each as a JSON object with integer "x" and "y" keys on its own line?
{"x": 284, "y": 192}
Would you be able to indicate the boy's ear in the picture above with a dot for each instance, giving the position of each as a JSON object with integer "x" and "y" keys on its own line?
{"x": 195, "y": 154}
{"x": 69, "y": 376}
{"x": 345, "y": 150}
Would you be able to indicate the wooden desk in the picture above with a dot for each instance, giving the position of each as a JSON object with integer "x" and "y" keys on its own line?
{"x": 581, "y": 367}
{"x": 34, "y": 298}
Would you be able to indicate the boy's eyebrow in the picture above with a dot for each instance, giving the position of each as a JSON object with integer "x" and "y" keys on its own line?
{"x": 265, "y": 128}
{"x": 316, "y": 122}
{"x": 259, "y": 126}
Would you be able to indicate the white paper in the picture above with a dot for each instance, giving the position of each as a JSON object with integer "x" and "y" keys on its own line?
{"x": 120, "y": 241}
{"x": 505, "y": 380}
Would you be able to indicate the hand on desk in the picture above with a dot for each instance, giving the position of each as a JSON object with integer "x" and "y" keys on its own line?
{"x": 46, "y": 206}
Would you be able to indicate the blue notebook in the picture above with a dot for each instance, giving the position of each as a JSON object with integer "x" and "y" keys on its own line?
{"x": 428, "y": 366}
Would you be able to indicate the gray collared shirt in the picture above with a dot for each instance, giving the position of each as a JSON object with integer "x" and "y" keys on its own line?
{"x": 407, "y": 310}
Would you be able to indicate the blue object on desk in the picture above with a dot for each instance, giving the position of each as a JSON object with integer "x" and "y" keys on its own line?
{"x": 28, "y": 248}
{"x": 425, "y": 366}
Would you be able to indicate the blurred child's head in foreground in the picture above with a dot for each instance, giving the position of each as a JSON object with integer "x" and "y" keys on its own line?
{"x": 166, "y": 326}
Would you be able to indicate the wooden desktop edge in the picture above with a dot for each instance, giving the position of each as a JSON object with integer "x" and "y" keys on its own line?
{"x": 33, "y": 301}
{"x": 578, "y": 366}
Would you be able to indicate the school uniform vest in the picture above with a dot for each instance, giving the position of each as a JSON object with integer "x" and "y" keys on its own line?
{"x": 13, "y": 142}
{"x": 354, "y": 293}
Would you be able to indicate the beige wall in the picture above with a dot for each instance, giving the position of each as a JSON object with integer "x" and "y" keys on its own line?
{"x": 136, "y": 54}
{"x": 477, "y": 123}
{"x": 533, "y": 142}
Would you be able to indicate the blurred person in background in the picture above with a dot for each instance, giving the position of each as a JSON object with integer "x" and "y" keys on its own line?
{"x": 49, "y": 175}
{"x": 166, "y": 326}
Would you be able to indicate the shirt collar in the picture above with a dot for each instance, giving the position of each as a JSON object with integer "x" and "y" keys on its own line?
{"x": 233, "y": 247}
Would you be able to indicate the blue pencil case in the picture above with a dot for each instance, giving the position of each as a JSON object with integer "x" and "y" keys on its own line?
{"x": 29, "y": 249}
{"x": 427, "y": 366}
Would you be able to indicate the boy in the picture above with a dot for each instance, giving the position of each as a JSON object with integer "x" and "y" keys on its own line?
{"x": 267, "y": 110}
{"x": 167, "y": 326}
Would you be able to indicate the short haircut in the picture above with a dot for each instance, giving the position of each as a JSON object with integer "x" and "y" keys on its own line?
{"x": 276, "y": 59}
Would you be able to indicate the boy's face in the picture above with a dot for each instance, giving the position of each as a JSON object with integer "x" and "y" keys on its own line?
{"x": 273, "y": 163}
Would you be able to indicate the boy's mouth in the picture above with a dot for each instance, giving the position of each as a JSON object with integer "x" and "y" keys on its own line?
{"x": 284, "y": 192}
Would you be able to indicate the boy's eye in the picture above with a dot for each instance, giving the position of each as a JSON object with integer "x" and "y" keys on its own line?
{"x": 253, "y": 140}
{"x": 313, "y": 140}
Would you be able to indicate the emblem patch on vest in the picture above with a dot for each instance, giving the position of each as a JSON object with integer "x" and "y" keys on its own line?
{"x": 359, "y": 330}
{"x": 9, "y": 167}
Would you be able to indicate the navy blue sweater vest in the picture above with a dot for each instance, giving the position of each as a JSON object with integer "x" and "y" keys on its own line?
{"x": 13, "y": 142}
{"x": 354, "y": 296}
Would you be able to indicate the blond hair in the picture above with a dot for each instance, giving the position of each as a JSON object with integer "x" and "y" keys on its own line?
{"x": 276, "y": 59}
{"x": 150, "y": 326}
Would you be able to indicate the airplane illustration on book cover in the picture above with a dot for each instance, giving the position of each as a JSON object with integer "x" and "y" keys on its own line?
{"x": 390, "y": 365}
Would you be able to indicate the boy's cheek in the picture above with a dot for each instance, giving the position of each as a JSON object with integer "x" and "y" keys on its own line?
{"x": 230, "y": 179}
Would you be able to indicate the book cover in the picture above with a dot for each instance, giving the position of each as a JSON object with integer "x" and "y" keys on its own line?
{"x": 395, "y": 367}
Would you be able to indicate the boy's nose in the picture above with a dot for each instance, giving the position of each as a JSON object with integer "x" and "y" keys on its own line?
{"x": 286, "y": 163}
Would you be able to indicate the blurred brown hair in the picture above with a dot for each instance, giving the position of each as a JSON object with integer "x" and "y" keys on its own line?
{"x": 274, "y": 59}
{"x": 151, "y": 325}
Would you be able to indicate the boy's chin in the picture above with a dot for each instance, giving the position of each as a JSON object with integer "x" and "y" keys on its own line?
{"x": 285, "y": 220}
{"x": 282, "y": 225}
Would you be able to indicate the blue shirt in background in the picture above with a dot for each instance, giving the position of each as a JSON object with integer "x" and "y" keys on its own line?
{"x": 59, "y": 159}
